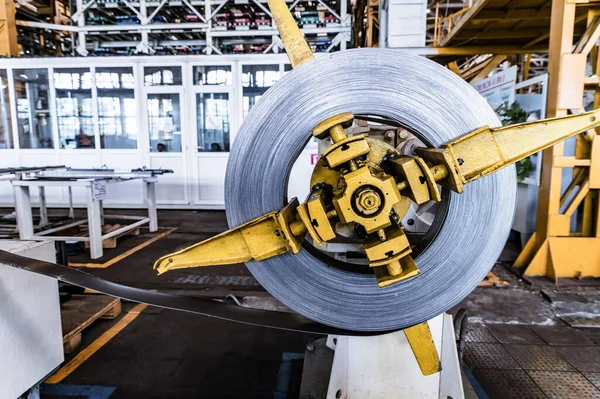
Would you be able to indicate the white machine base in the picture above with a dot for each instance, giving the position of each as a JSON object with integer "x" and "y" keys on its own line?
{"x": 31, "y": 344}
{"x": 385, "y": 367}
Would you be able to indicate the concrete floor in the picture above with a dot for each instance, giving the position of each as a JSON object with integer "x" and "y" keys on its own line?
{"x": 518, "y": 343}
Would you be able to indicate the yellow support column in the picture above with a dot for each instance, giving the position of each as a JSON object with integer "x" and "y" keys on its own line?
{"x": 8, "y": 29}
{"x": 554, "y": 250}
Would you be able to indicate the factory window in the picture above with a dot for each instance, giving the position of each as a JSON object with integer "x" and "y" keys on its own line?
{"x": 117, "y": 113}
{"x": 213, "y": 75}
{"x": 32, "y": 91}
{"x": 164, "y": 122}
{"x": 162, "y": 76}
{"x": 74, "y": 113}
{"x": 256, "y": 80}
{"x": 212, "y": 113}
{"x": 5, "y": 120}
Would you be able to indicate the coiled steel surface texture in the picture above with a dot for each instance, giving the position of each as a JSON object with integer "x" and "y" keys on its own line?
{"x": 424, "y": 97}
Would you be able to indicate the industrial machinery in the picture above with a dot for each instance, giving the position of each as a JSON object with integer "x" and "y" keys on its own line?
{"x": 367, "y": 184}
{"x": 363, "y": 185}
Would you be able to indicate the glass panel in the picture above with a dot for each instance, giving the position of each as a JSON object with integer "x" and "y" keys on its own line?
{"x": 287, "y": 68}
{"x": 213, "y": 75}
{"x": 212, "y": 113}
{"x": 5, "y": 120}
{"x": 74, "y": 113}
{"x": 117, "y": 113}
{"x": 256, "y": 79}
{"x": 164, "y": 122}
{"x": 32, "y": 90}
{"x": 162, "y": 76}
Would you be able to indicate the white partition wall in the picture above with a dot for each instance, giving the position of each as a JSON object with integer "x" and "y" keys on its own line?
{"x": 180, "y": 113}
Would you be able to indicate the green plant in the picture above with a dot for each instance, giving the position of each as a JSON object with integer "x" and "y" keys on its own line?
{"x": 509, "y": 115}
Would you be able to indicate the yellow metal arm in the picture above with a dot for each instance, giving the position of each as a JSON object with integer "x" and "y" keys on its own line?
{"x": 267, "y": 236}
{"x": 296, "y": 47}
{"x": 421, "y": 342}
{"x": 487, "y": 150}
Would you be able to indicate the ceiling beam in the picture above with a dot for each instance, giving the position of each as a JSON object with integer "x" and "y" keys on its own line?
{"x": 473, "y": 50}
{"x": 489, "y": 67}
{"x": 475, "y": 69}
{"x": 454, "y": 68}
{"x": 546, "y": 35}
{"x": 502, "y": 33}
{"x": 521, "y": 13}
{"x": 589, "y": 37}
{"x": 464, "y": 20}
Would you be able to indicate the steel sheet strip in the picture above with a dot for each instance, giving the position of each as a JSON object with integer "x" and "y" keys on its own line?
{"x": 417, "y": 93}
{"x": 200, "y": 306}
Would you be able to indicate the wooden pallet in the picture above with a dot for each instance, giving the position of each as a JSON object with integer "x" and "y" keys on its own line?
{"x": 80, "y": 312}
{"x": 112, "y": 241}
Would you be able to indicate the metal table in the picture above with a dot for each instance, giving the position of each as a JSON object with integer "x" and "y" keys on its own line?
{"x": 94, "y": 181}
{"x": 7, "y": 174}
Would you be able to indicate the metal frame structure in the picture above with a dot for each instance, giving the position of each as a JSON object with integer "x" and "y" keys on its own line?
{"x": 89, "y": 180}
{"x": 196, "y": 26}
{"x": 561, "y": 247}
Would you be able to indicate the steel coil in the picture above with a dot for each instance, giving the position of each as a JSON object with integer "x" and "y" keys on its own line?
{"x": 419, "y": 94}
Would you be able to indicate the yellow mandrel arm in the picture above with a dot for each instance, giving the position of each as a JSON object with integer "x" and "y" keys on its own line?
{"x": 487, "y": 150}
{"x": 291, "y": 36}
{"x": 264, "y": 237}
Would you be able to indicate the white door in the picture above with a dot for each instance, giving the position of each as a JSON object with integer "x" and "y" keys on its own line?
{"x": 213, "y": 127}
{"x": 167, "y": 141}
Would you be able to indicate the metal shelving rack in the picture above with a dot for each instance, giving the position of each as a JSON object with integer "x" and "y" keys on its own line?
{"x": 165, "y": 27}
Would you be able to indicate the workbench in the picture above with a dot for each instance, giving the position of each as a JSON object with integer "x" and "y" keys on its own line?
{"x": 95, "y": 182}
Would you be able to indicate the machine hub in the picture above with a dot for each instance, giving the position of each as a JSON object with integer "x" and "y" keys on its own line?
{"x": 367, "y": 200}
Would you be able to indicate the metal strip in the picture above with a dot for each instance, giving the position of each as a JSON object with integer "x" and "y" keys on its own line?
{"x": 201, "y": 306}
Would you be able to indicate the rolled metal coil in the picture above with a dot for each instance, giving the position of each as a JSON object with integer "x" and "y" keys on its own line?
{"x": 421, "y": 95}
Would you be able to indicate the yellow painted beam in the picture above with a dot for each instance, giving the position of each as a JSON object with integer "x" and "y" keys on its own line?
{"x": 453, "y": 66}
{"x": 421, "y": 342}
{"x": 575, "y": 256}
{"x": 293, "y": 40}
{"x": 8, "y": 29}
{"x": 486, "y": 150}
{"x": 256, "y": 240}
{"x": 561, "y": 42}
{"x": 488, "y": 68}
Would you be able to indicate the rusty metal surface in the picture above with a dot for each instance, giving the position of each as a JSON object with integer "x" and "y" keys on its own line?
{"x": 564, "y": 385}
{"x": 538, "y": 357}
{"x": 514, "y": 334}
{"x": 489, "y": 356}
{"x": 583, "y": 358}
{"x": 508, "y": 384}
